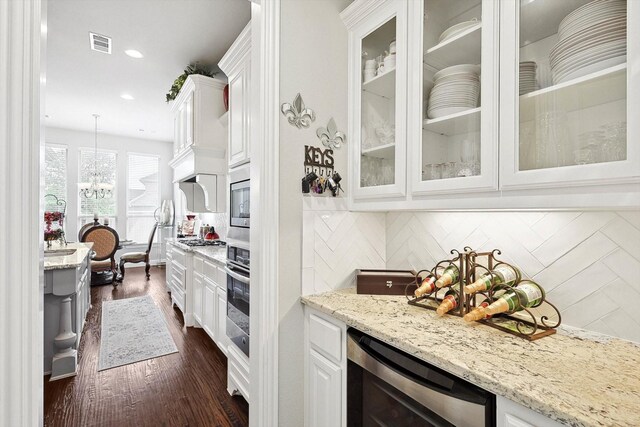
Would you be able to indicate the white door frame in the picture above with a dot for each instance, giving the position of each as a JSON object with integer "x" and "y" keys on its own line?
{"x": 265, "y": 171}
{"x": 22, "y": 52}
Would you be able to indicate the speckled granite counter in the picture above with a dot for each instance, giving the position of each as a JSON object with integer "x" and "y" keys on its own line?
{"x": 61, "y": 262}
{"x": 214, "y": 253}
{"x": 572, "y": 378}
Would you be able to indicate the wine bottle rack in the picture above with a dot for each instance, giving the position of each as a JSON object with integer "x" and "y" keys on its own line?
{"x": 529, "y": 323}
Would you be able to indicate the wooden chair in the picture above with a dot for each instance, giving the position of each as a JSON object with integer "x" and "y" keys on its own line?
{"x": 105, "y": 244}
{"x": 136, "y": 257}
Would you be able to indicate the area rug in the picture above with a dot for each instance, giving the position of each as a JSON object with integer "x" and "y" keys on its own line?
{"x": 133, "y": 329}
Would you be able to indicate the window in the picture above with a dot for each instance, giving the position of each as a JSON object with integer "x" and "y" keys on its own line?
{"x": 143, "y": 195}
{"x": 107, "y": 168}
{"x": 55, "y": 171}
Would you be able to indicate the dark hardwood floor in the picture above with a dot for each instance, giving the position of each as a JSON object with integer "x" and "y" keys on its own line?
{"x": 188, "y": 388}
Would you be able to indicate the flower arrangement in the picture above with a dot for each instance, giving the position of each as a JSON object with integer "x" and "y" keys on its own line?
{"x": 51, "y": 233}
{"x": 194, "y": 68}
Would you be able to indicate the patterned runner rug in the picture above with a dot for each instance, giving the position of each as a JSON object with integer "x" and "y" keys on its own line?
{"x": 133, "y": 329}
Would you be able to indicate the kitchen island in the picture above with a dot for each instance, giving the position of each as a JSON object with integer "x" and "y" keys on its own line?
{"x": 575, "y": 378}
{"x": 67, "y": 299}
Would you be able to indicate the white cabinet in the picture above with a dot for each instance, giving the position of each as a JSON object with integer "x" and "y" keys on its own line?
{"x": 511, "y": 414}
{"x": 198, "y": 292}
{"x": 210, "y": 309}
{"x": 221, "y": 324}
{"x": 377, "y": 98}
{"x": 528, "y": 105}
{"x": 236, "y": 64}
{"x": 325, "y": 370}
{"x": 324, "y": 392}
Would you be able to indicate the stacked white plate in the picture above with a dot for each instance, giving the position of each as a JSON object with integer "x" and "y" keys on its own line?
{"x": 591, "y": 38}
{"x": 528, "y": 81}
{"x": 455, "y": 90}
{"x": 457, "y": 29}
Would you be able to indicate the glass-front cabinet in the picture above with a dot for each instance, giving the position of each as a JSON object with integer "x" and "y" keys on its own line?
{"x": 569, "y": 92}
{"x": 378, "y": 67}
{"x": 453, "y": 141}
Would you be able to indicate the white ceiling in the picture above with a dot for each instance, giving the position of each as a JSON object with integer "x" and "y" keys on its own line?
{"x": 169, "y": 33}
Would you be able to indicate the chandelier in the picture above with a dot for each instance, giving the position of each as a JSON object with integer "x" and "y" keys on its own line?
{"x": 96, "y": 188}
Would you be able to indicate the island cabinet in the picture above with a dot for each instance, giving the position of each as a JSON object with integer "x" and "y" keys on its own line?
{"x": 325, "y": 370}
{"x": 487, "y": 104}
{"x": 236, "y": 64}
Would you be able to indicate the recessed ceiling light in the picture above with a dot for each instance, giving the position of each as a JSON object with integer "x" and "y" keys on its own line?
{"x": 141, "y": 130}
{"x": 134, "y": 53}
{"x": 127, "y": 97}
{"x": 46, "y": 116}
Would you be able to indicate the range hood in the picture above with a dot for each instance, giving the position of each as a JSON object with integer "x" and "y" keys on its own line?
{"x": 205, "y": 193}
{"x": 201, "y": 175}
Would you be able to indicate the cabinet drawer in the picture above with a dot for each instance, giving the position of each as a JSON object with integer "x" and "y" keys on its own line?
{"x": 178, "y": 276}
{"x": 179, "y": 257}
{"x": 325, "y": 337}
{"x": 178, "y": 296}
{"x": 198, "y": 264}
{"x": 211, "y": 271}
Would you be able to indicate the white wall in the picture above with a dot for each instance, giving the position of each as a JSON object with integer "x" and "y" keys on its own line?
{"x": 315, "y": 66}
{"x": 74, "y": 140}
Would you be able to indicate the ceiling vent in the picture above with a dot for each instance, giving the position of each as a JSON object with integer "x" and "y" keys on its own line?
{"x": 100, "y": 43}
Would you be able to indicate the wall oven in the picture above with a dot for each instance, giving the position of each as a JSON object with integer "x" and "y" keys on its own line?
{"x": 238, "y": 296}
{"x": 386, "y": 387}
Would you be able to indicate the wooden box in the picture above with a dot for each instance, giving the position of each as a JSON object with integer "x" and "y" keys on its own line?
{"x": 385, "y": 282}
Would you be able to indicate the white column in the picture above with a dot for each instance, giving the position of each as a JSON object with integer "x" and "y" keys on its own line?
{"x": 65, "y": 360}
{"x": 22, "y": 36}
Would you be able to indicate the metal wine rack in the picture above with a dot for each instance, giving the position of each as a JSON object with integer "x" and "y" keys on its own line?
{"x": 529, "y": 323}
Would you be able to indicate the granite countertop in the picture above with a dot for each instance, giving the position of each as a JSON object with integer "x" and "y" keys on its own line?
{"x": 61, "y": 262}
{"x": 214, "y": 253}
{"x": 579, "y": 379}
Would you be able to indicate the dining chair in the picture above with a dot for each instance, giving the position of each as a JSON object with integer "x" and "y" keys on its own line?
{"x": 137, "y": 257}
{"x": 105, "y": 244}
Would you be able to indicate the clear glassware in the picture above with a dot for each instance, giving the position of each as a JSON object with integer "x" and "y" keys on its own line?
{"x": 448, "y": 169}
{"x": 552, "y": 142}
{"x": 614, "y": 147}
{"x": 432, "y": 171}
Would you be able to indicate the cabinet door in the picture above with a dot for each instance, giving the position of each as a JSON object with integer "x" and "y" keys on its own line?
{"x": 221, "y": 324}
{"x": 324, "y": 392}
{"x": 453, "y": 96}
{"x": 239, "y": 115}
{"x": 189, "y": 120}
{"x": 377, "y": 102}
{"x": 567, "y": 75}
{"x": 198, "y": 293}
{"x": 210, "y": 310}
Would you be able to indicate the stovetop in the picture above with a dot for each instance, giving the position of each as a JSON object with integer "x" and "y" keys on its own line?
{"x": 202, "y": 242}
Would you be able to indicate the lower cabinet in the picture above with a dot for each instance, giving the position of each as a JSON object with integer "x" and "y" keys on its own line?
{"x": 326, "y": 371}
{"x": 512, "y": 414}
{"x": 210, "y": 315}
{"x": 221, "y": 325}
{"x": 197, "y": 299}
{"x": 237, "y": 372}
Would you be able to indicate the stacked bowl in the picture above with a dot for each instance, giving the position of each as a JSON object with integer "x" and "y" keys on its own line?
{"x": 591, "y": 38}
{"x": 528, "y": 81}
{"x": 455, "y": 89}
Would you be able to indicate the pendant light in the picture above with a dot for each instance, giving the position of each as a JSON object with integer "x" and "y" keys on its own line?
{"x": 96, "y": 188}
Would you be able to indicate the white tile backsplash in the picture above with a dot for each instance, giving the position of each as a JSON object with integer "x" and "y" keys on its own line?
{"x": 589, "y": 262}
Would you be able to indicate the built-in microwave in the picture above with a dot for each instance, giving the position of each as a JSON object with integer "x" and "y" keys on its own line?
{"x": 239, "y": 198}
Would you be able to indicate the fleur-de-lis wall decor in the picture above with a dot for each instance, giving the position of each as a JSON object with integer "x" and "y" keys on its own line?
{"x": 297, "y": 114}
{"x": 330, "y": 136}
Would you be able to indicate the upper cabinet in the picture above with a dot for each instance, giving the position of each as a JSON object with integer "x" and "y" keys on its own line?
{"x": 568, "y": 75}
{"x": 377, "y": 98}
{"x": 236, "y": 64}
{"x": 454, "y": 96}
{"x": 474, "y": 103}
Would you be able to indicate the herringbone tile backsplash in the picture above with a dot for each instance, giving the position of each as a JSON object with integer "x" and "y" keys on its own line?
{"x": 589, "y": 262}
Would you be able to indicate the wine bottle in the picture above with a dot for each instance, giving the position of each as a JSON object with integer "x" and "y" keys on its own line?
{"x": 524, "y": 295}
{"x": 450, "y": 300}
{"x": 449, "y": 276}
{"x": 427, "y": 286}
{"x": 503, "y": 275}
